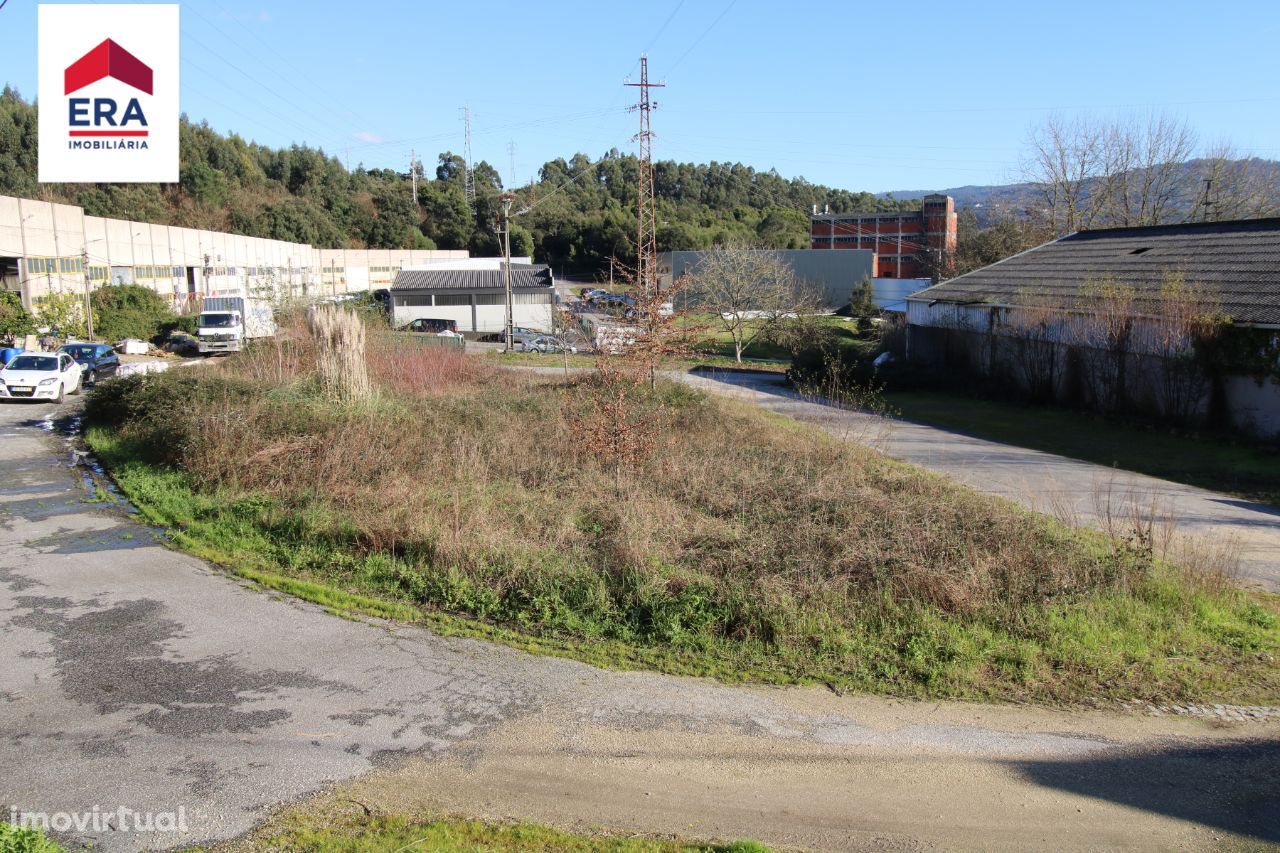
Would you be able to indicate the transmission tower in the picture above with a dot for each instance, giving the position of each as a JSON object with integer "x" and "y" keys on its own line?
{"x": 647, "y": 222}
{"x": 470, "y": 178}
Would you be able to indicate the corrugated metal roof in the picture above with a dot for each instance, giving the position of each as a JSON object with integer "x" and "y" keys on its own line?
{"x": 1239, "y": 261}
{"x": 523, "y": 277}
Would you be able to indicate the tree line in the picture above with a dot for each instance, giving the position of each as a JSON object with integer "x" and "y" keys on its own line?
{"x": 580, "y": 210}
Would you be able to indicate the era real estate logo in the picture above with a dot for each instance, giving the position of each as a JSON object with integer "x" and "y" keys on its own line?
{"x": 108, "y": 93}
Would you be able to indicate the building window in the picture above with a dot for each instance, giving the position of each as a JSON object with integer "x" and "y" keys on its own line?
{"x": 453, "y": 299}
{"x": 531, "y": 299}
{"x": 490, "y": 299}
{"x": 412, "y": 301}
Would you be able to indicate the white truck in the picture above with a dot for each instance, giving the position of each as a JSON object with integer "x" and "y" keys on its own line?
{"x": 226, "y": 322}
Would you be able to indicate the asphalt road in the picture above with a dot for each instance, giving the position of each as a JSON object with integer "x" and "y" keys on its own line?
{"x": 134, "y": 676}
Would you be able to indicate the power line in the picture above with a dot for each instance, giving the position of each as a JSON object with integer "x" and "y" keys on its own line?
{"x": 699, "y": 39}
{"x": 663, "y": 28}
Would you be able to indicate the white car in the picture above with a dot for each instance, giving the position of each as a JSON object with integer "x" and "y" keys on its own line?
{"x": 40, "y": 376}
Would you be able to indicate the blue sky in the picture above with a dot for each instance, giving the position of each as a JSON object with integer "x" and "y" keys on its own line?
{"x": 857, "y": 95}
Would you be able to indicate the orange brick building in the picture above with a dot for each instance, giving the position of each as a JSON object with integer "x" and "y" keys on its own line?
{"x": 896, "y": 238}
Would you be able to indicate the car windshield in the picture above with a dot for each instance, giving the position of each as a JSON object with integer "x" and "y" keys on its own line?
{"x": 80, "y": 353}
{"x": 217, "y": 321}
{"x": 34, "y": 362}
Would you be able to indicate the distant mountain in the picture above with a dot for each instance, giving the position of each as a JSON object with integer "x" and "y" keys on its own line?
{"x": 1254, "y": 176}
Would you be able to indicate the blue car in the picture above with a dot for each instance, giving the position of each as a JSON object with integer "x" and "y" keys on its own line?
{"x": 98, "y": 360}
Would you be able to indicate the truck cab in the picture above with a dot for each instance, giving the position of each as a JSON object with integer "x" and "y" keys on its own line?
{"x": 219, "y": 331}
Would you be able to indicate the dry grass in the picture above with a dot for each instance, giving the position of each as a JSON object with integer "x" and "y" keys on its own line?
{"x": 736, "y": 536}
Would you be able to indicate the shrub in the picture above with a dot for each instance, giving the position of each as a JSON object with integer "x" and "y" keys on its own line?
{"x": 185, "y": 323}
{"x": 129, "y": 311}
{"x": 160, "y": 408}
{"x": 17, "y": 839}
{"x": 15, "y": 320}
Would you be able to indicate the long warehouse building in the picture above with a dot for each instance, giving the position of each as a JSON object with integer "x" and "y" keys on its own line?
{"x": 43, "y": 246}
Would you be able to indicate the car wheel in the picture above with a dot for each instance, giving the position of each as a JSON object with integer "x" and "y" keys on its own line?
{"x": 91, "y": 378}
{"x": 62, "y": 394}
{"x": 79, "y": 386}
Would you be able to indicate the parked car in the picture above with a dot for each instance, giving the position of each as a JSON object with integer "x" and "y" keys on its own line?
{"x": 41, "y": 376}
{"x": 542, "y": 344}
{"x": 98, "y": 360}
{"x": 432, "y": 326}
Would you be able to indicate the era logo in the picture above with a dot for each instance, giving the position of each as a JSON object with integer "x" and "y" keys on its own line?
{"x": 107, "y": 60}
{"x": 108, "y": 115}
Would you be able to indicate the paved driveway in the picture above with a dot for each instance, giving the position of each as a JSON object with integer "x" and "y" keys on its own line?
{"x": 134, "y": 676}
{"x": 1083, "y": 492}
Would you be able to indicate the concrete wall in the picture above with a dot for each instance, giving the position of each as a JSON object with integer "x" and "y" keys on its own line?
{"x": 180, "y": 263}
{"x": 1254, "y": 405}
{"x": 959, "y": 339}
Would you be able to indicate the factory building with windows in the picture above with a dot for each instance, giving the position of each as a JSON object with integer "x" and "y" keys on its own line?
{"x": 898, "y": 239}
{"x": 44, "y": 248}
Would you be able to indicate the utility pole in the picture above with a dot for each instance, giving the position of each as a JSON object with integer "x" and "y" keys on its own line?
{"x": 88, "y": 305}
{"x": 1208, "y": 198}
{"x": 469, "y": 181}
{"x": 507, "y": 198}
{"x": 647, "y": 226}
{"x": 413, "y": 173}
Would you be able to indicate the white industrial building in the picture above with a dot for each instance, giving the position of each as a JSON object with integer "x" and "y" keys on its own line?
{"x": 42, "y": 246}
{"x": 471, "y": 292}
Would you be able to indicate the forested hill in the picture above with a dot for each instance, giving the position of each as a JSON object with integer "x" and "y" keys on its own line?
{"x": 583, "y": 209}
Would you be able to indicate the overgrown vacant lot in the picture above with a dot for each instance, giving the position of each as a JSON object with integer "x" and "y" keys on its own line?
{"x": 739, "y": 546}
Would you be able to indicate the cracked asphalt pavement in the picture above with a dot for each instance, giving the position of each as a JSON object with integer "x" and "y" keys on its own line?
{"x": 132, "y": 675}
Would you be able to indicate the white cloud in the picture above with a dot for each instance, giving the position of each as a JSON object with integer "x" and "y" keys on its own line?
{"x": 366, "y": 136}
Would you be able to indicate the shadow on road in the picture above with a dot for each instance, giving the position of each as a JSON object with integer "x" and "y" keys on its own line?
{"x": 1234, "y": 786}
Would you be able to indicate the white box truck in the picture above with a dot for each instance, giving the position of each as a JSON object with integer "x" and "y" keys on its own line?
{"x": 226, "y": 322}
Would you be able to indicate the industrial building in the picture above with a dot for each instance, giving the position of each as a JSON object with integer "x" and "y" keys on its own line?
{"x": 897, "y": 239}
{"x": 832, "y": 274}
{"x": 472, "y": 293}
{"x": 43, "y": 246}
{"x": 1027, "y": 320}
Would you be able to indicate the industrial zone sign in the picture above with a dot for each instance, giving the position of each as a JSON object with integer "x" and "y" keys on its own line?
{"x": 108, "y": 93}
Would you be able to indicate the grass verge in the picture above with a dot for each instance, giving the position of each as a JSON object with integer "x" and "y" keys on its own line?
{"x": 303, "y": 831}
{"x": 16, "y": 839}
{"x": 1247, "y": 470}
{"x": 738, "y": 546}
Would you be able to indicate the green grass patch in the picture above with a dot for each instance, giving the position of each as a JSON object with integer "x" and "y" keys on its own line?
{"x": 719, "y": 343}
{"x": 1248, "y": 470}
{"x": 16, "y": 839}
{"x": 307, "y": 832}
{"x": 583, "y": 360}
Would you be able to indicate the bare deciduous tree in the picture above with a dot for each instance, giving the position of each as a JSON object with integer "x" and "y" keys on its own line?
{"x": 1125, "y": 172}
{"x": 1186, "y": 318}
{"x": 751, "y": 292}
{"x": 1237, "y": 186}
{"x": 1033, "y": 326}
{"x": 1103, "y": 329}
{"x": 1145, "y": 169}
{"x": 1065, "y": 157}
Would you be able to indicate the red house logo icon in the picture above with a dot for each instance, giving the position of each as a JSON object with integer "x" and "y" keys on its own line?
{"x": 99, "y": 117}
{"x": 108, "y": 60}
